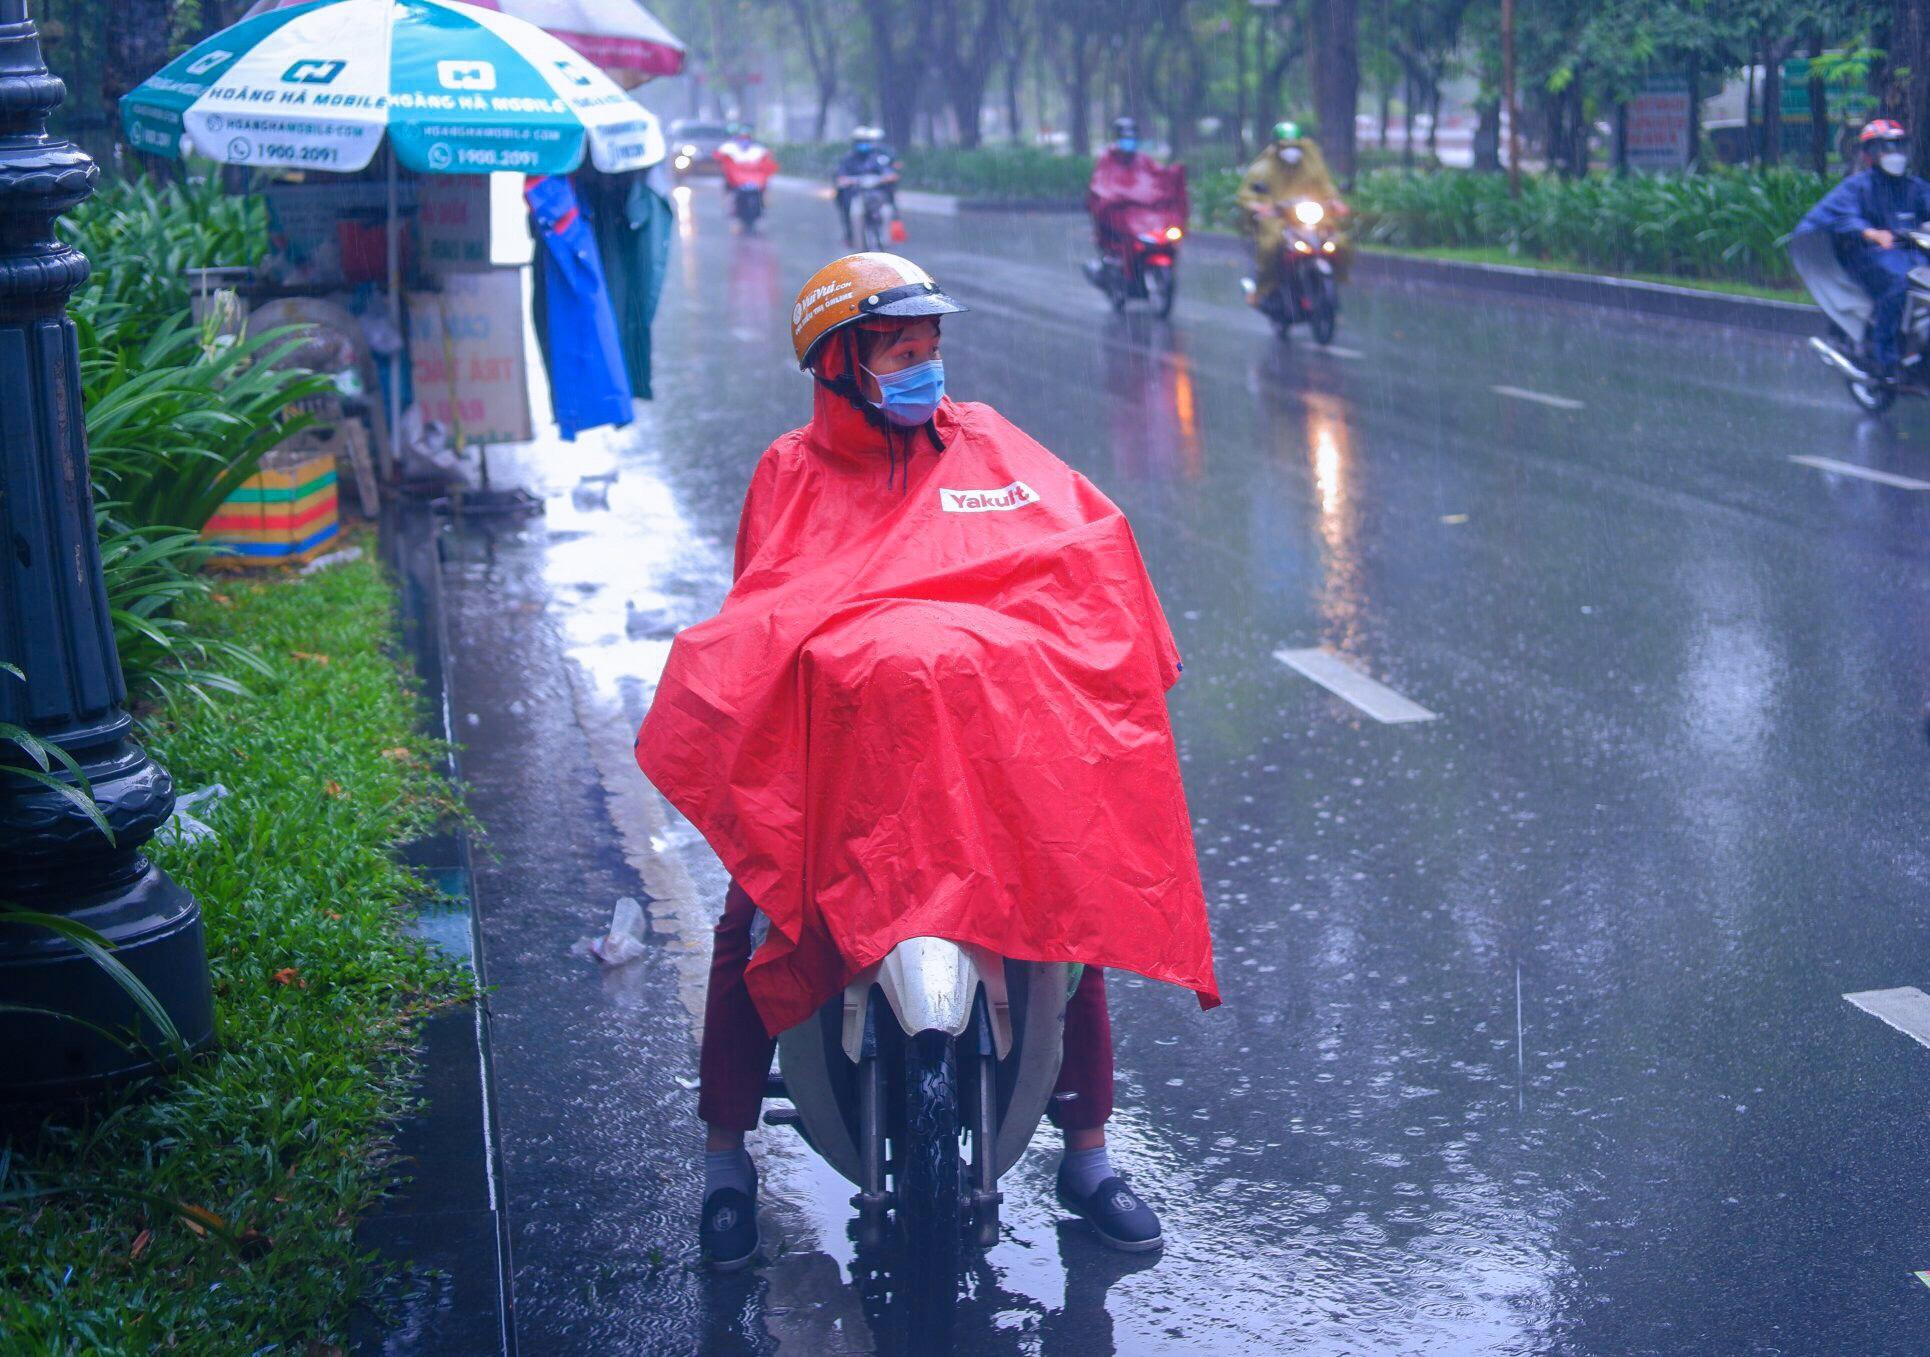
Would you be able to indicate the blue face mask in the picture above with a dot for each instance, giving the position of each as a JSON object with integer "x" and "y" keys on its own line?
{"x": 910, "y": 396}
{"x": 1127, "y": 145}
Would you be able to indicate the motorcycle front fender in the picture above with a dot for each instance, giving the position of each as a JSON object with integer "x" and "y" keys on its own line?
{"x": 930, "y": 984}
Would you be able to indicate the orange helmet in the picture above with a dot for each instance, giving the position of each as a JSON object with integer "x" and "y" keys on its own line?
{"x": 859, "y": 287}
{"x": 1881, "y": 129}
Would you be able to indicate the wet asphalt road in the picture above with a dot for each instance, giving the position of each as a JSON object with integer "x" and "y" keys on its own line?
{"x": 1534, "y": 1037}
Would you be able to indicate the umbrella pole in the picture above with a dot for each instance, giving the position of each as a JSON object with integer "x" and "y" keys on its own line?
{"x": 395, "y": 317}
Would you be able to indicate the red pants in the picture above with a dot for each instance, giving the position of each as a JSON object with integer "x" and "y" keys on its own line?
{"x": 737, "y": 1050}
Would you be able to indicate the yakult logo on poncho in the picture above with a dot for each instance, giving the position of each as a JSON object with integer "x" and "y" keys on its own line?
{"x": 1014, "y": 496}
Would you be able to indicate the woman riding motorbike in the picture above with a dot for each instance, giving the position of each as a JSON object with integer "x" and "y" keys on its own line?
{"x": 1290, "y": 170}
{"x": 866, "y": 327}
{"x": 1126, "y": 184}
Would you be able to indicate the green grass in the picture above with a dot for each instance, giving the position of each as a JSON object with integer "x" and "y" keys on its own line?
{"x": 283, "y": 1128}
{"x": 1496, "y": 255}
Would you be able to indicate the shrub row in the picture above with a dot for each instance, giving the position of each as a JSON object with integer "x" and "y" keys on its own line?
{"x": 1009, "y": 173}
{"x": 1726, "y": 224}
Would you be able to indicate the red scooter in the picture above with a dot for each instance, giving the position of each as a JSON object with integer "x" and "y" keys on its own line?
{"x": 1139, "y": 241}
{"x": 748, "y": 168}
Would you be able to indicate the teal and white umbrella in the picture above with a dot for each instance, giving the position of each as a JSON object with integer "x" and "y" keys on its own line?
{"x": 458, "y": 88}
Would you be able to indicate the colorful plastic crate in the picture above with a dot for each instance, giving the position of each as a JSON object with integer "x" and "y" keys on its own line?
{"x": 288, "y": 511}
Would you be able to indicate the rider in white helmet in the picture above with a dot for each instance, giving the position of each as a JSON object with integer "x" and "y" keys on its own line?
{"x": 869, "y": 155}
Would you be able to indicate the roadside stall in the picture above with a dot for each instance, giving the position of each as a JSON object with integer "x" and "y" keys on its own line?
{"x": 395, "y": 237}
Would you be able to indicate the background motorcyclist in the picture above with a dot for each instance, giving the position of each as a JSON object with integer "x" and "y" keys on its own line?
{"x": 1868, "y": 218}
{"x": 1124, "y": 179}
{"x": 1290, "y": 170}
{"x": 745, "y": 161}
{"x": 869, "y": 155}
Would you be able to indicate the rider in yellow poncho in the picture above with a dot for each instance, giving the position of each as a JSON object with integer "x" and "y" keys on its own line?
{"x": 1289, "y": 170}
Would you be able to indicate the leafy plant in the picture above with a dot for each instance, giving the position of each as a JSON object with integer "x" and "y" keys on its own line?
{"x": 176, "y": 418}
{"x": 149, "y": 574}
{"x": 1727, "y": 224}
{"x": 45, "y": 755}
{"x": 174, "y": 424}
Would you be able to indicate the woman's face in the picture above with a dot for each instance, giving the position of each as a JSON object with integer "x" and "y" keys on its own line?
{"x": 896, "y": 350}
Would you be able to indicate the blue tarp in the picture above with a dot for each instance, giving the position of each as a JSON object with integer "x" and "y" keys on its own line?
{"x": 588, "y": 383}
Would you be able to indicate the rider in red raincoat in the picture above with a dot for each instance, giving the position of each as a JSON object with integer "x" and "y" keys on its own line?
{"x": 745, "y": 160}
{"x": 942, "y": 643}
{"x": 1131, "y": 193}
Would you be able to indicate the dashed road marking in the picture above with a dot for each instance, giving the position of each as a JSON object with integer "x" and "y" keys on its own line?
{"x": 1522, "y": 393}
{"x": 1866, "y": 473}
{"x": 1338, "y": 351}
{"x": 1906, "y": 1009}
{"x": 1339, "y": 677}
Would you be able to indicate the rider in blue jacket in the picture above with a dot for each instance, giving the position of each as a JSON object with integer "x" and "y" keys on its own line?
{"x": 1867, "y": 217}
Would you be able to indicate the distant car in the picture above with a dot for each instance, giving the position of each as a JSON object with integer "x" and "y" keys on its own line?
{"x": 693, "y": 143}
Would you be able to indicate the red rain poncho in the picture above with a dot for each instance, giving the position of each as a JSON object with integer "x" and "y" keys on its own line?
{"x": 753, "y": 164}
{"x": 934, "y": 705}
{"x": 1135, "y": 195}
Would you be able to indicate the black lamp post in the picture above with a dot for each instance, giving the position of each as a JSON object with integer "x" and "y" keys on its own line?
{"x": 54, "y": 627}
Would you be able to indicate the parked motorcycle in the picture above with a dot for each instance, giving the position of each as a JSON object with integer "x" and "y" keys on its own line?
{"x": 939, "y": 1044}
{"x": 1845, "y": 350}
{"x": 1309, "y": 288}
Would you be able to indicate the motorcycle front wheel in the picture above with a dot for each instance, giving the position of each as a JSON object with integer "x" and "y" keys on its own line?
{"x": 1326, "y": 309}
{"x": 929, "y": 1206}
{"x": 1873, "y": 398}
{"x": 874, "y": 231}
{"x": 1160, "y": 286}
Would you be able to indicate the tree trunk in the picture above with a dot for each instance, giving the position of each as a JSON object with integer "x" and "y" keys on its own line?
{"x": 1079, "y": 96}
{"x": 1909, "y": 97}
{"x": 897, "y": 47}
{"x": 1239, "y": 83}
{"x": 1014, "y": 69}
{"x": 1386, "y": 110}
{"x": 1487, "y": 136}
{"x": 1621, "y": 136}
{"x": 1335, "y": 56}
{"x": 1262, "y": 104}
{"x": 1407, "y": 121}
{"x": 1772, "y": 103}
{"x": 1434, "y": 120}
{"x": 1751, "y": 133}
{"x": 137, "y": 47}
{"x": 1695, "y": 114}
{"x": 1819, "y": 137}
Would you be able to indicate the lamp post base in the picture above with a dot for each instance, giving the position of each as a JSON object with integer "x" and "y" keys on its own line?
{"x": 155, "y": 930}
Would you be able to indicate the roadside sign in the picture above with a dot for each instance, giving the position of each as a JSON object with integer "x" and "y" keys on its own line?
{"x": 1657, "y": 139}
{"x": 466, "y": 343}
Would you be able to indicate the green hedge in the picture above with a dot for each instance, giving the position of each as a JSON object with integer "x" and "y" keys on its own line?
{"x": 1728, "y": 225}
{"x": 1010, "y": 173}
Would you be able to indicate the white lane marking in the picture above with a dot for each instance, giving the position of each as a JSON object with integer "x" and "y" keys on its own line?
{"x": 1830, "y": 464}
{"x": 1338, "y": 351}
{"x": 1522, "y": 393}
{"x": 1340, "y": 678}
{"x": 1906, "y": 1009}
